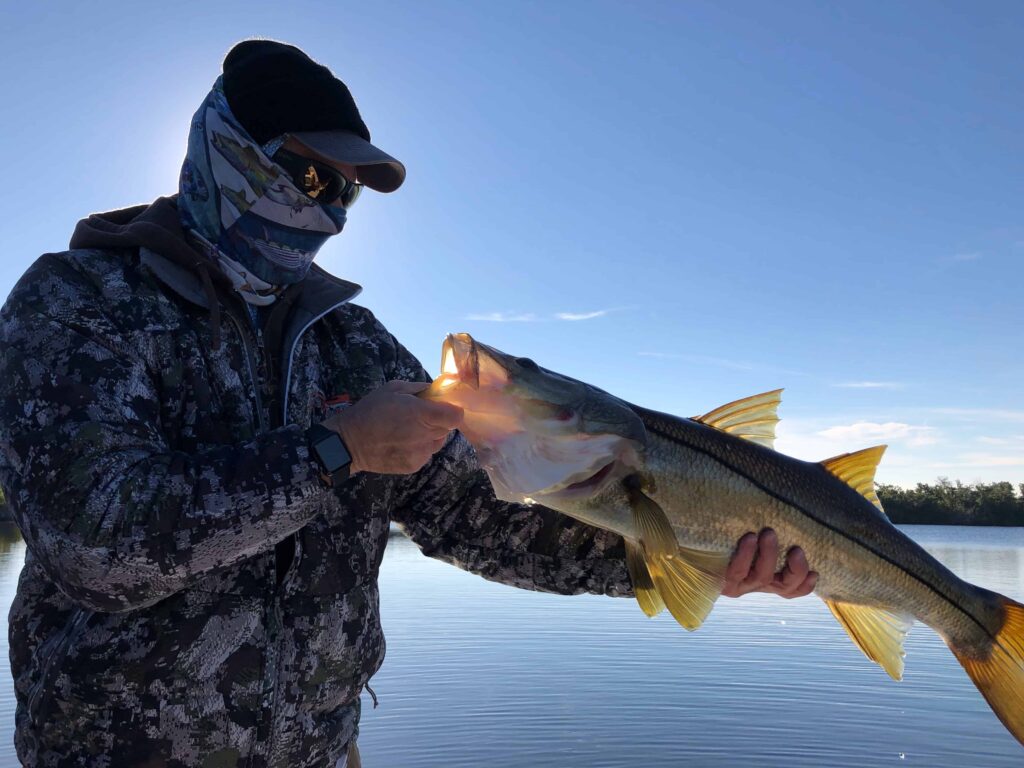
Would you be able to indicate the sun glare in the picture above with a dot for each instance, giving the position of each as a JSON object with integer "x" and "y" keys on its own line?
{"x": 448, "y": 365}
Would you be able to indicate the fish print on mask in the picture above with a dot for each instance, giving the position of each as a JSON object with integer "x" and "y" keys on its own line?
{"x": 258, "y": 218}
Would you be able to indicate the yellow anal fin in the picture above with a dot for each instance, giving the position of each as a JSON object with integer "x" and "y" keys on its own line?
{"x": 858, "y": 471}
{"x": 643, "y": 585}
{"x": 687, "y": 581}
{"x": 999, "y": 673}
{"x": 752, "y": 418}
{"x": 877, "y": 632}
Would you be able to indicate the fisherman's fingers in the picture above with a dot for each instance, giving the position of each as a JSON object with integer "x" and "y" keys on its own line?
{"x": 751, "y": 568}
{"x": 796, "y": 579}
{"x": 405, "y": 387}
{"x": 794, "y": 572}
{"x": 739, "y": 566}
{"x": 802, "y": 589}
{"x": 438, "y": 415}
{"x": 762, "y": 573}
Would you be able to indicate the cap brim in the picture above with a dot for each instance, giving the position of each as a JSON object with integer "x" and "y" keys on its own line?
{"x": 377, "y": 169}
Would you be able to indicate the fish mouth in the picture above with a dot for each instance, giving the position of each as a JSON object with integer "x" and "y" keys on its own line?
{"x": 589, "y": 485}
{"x": 593, "y": 481}
{"x": 460, "y": 360}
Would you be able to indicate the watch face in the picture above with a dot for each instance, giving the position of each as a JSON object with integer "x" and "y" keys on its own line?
{"x": 332, "y": 453}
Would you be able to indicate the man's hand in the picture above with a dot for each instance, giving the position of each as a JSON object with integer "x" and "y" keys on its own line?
{"x": 752, "y": 568}
{"x": 392, "y": 431}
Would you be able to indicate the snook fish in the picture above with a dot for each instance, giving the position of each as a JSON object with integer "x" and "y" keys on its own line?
{"x": 682, "y": 491}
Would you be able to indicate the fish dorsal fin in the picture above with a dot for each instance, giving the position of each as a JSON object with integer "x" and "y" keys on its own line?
{"x": 643, "y": 586}
{"x": 858, "y": 471}
{"x": 877, "y": 632}
{"x": 752, "y": 418}
{"x": 687, "y": 581}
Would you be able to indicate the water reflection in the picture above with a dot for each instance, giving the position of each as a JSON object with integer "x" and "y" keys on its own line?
{"x": 10, "y": 539}
{"x": 12, "y": 555}
{"x": 478, "y": 673}
{"x": 482, "y": 674}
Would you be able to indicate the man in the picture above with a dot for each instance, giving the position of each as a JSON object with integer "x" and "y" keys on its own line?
{"x": 203, "y": 442}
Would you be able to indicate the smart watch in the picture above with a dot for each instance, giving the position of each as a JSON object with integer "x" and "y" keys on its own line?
{"x": 330, "y": 452}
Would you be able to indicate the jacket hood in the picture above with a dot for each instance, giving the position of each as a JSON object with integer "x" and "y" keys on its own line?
{"x": 155, "y": 226}
{"x": 186, "y": 270}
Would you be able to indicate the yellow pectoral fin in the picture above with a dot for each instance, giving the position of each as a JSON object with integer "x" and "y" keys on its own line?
{"x": 878, "y": 633}
{"x": 643, "y": 586}
{"x": 688, "y": 581}
{"x": 655, "y": 532}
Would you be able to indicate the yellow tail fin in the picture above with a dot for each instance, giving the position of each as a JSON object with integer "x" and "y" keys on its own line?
{"x": 999, "y": 673}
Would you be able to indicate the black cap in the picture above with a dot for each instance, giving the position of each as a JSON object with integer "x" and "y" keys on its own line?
{"x": 275, "y": 89}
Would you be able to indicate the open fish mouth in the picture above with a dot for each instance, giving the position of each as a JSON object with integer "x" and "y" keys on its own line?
{"x": 460, "y": 361}
{"x": 587, "y": 485}
{"x": 594, "y": 480}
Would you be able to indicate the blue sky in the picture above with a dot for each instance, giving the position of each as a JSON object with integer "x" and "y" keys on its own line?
{"x": 683, "y": 203}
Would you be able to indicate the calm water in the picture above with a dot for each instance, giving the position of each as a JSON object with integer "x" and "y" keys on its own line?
{"x": 482, "y": 674}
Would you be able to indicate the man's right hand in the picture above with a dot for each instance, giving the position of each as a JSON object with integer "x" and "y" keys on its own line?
{"x": 392, "y": 431}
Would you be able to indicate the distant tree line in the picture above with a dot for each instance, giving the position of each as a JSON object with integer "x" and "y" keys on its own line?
{"x": 954, "y": 503}
{"x": 945, "y": 503}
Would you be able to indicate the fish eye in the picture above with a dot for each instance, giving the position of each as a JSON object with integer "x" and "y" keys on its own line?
{"x": 527, "y": 363}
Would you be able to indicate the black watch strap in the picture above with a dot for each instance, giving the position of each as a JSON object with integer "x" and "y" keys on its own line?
{"x": 330, "y": 452}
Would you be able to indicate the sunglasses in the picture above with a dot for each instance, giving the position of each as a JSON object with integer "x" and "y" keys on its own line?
{"x": 318, "y": 180}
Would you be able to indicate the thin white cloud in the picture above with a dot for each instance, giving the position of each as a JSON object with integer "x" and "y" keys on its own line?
{"x": 991, "y": 460}
{"x": 869, "y": 385}
{"x": 1012, "y": 440}
{"x": 993, "y": 440}
{"x": 737, "y": 365}
{"x": 532, "y": 317}
{"x": 980, "y": 414}
{"x": 504, "y": 317}
{"x": 862, "y": 431}
{"x": 582, "y": 315}
{"x": 968, "y": 256}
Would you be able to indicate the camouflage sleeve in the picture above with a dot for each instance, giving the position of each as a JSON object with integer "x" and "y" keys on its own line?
{"x": 449, "y": 509}
{"x": 117, "y": 519}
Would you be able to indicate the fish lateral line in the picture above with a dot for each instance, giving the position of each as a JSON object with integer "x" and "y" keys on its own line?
{"x": 807, "y": 513}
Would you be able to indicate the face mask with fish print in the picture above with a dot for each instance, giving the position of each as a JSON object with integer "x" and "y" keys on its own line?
{"x": 247, "y": 208}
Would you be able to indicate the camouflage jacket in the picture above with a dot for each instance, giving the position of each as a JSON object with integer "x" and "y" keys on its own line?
{"x": 192, "y": 593}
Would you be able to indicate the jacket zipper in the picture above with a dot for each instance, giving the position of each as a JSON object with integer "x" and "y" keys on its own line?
{"x": 291, "y": 355}
{"x": 271, "y": 670}
{"x": 251, "y": 362}
{"x": 273, "y": 667}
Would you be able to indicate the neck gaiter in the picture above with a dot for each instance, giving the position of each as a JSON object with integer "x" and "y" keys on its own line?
{"x": 244, "y": 210}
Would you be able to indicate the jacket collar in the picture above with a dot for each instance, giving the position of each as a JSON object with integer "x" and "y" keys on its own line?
{"x": 321, "y": 290}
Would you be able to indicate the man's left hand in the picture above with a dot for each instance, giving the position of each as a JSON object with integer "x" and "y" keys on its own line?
{"x": 752, "y": 568}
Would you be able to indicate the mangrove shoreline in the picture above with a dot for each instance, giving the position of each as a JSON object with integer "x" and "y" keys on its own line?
{"x": 946, "y": 502}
